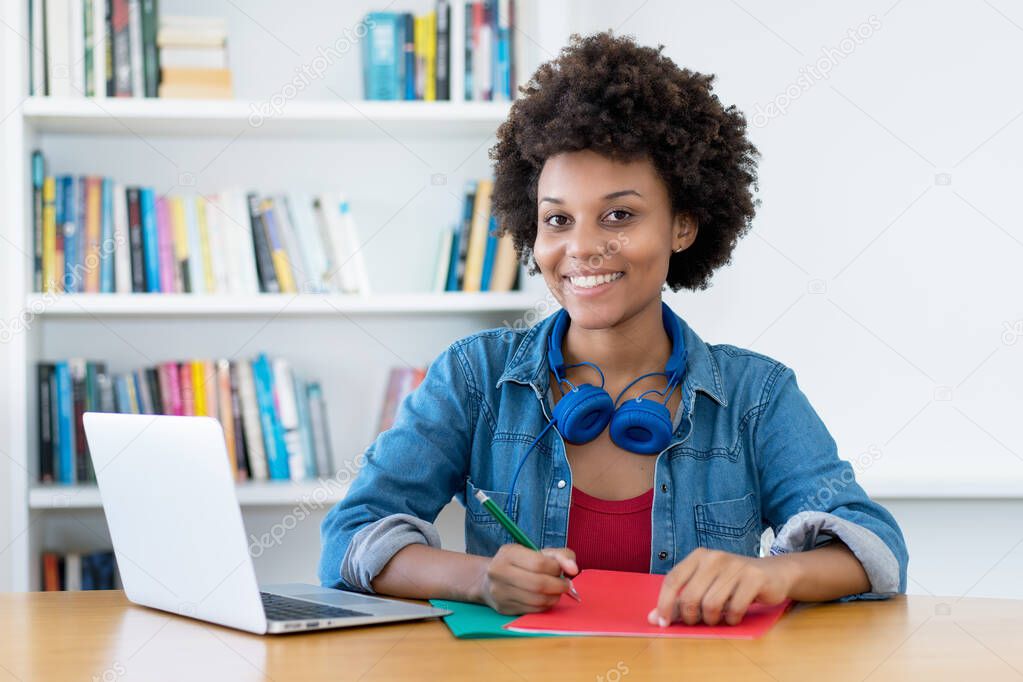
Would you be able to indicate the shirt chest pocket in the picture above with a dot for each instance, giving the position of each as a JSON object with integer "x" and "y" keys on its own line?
{"x": 729, "y": 525}
{"x": 483, "y": 534}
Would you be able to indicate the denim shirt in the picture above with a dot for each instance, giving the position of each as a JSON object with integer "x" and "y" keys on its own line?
{"x": 750, "y": 469}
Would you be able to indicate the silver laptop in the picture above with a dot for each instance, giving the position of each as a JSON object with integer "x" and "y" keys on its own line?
{"x": 169, "y": 499}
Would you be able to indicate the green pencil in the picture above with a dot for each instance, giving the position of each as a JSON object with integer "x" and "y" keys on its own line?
{"x": 516, "y": 532}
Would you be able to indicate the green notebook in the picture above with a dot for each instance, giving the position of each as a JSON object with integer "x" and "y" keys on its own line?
{"x": 475, "y": 621}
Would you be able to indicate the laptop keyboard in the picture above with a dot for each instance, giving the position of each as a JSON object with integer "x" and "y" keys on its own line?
{"x": 283, "y": 608}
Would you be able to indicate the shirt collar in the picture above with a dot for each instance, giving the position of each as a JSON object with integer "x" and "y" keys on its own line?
{"x": 529, "y": 364}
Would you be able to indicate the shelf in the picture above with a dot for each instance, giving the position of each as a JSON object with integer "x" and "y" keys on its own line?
{"x": 328, "y": 492}
{"x": 313, "y": 494}
{"x": 936, "y": 486}
{"x": 170, "y": 305}
{"x": 192, "y": 118}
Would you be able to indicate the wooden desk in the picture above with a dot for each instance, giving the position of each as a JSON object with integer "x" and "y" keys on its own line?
{"x": 101, "y": 636}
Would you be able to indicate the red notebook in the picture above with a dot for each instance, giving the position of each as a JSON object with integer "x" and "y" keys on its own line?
{"x": 616, "y": 603}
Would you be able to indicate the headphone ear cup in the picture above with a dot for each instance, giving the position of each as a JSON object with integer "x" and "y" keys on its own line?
{"x": 641, "y": 426}
{"x": 583, "y": 413}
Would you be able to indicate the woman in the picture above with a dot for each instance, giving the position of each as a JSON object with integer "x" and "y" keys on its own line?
{"x": 616, "y": 173}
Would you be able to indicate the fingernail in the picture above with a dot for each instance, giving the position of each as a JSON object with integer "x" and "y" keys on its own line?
{"x": 662, "y": 621}
{"x": 652, "y": 617}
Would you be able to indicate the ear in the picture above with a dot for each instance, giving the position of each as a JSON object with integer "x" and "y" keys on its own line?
{"x": 683, "y": 231}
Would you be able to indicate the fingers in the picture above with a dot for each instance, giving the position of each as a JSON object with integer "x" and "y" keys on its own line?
{"x": 691, "y": 596}
{"x": 565, "y": 558}
{"x": 740, "y": 601}
{"x": 667, "y": 601}
{"x": 714, "y": 601}
{"x": 521, "y": 580}
{"x": 707, "y": 586}
{"x": 536, "y": 562}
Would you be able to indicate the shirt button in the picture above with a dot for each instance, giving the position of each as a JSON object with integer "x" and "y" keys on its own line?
{"x": 662, "y": 555}
{"x": 561, "y": 484}
{"x": 664, "y": 487}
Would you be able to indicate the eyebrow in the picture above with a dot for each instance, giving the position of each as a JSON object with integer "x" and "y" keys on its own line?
{"x": 612, "y": 195}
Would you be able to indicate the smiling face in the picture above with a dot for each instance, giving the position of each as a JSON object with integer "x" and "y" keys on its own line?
{"x": 605, "y": 233}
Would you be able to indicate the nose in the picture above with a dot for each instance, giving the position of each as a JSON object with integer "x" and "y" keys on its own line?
{"x": 586, "y": 243}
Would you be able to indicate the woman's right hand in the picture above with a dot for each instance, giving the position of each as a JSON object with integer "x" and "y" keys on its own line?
{"x": 519, "y": 580}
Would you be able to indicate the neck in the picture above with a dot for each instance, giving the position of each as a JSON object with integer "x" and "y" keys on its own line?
{"x": 634, "y": 346}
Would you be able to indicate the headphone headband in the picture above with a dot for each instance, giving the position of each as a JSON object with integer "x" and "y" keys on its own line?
{"x": 675, "y": 369}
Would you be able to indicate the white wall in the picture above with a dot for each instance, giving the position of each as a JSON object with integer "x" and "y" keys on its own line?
{"x": 884, "y": 261}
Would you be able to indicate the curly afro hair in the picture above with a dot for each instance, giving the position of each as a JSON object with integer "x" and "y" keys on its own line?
{"x": 627, "y": 102}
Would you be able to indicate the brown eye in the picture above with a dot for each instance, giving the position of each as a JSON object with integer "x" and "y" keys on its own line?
{"x": 553, "y": 220}
{"x": 619, "y": 214}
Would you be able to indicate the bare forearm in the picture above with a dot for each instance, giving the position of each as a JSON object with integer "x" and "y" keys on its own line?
{"x": 424, "y": 572}
{"x": 823, "y": 574}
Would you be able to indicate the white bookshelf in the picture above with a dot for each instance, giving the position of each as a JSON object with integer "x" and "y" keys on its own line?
{"x": 192, "y": 118}
{"x": 402, "y": 166}
{"x": 164, "y": 305}
{"x": 250, "y": 494}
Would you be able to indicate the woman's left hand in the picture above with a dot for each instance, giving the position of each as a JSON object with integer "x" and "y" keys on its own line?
{"x": 710, "y": 586}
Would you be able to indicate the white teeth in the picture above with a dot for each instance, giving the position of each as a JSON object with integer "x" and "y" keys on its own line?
{"x": 591, "y": 281}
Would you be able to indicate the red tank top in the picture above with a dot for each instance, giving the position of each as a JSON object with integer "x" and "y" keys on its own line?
{"x": 610, "y": 534}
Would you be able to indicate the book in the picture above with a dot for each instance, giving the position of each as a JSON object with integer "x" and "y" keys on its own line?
{"x": 150, "y": 240}
{"x": 616, "y": 603}
{"x": 196, "y": 270}
{"x": 38, "y": 179}
{"x": 76, "y": 33}
{"x": 400, "y": 383}
{"x": 251, "y": 423}
{"x": 275, "y": 242}
{"x": 138, "y": 271}
{"x": 167, "y": 266}
{"x": 274, "y": 421}
{"x": 138, "y": 87}
{"x": 107, "y": 245}
{"x": 122, "y": 48}
{"x": 478, "y": 237}
{"x": 74, "y": 571}
{"x": 321, "y": 433}
{"x": 288, "y": 416}
{"x": 179, "y": 233}
{"x": 36, "y": 48}
{"x": 50, "y": 277}
{"x": 440, "y": 277}
{"x": 382, "y": 56}
{"x": 151, "y": 57}
{"x": 71, "y": 221}
{"x": 122, "y": 246}
{"x": 47, "y": 435}
{"x": 92, "y": 227}
{"x": 273, "y": 435}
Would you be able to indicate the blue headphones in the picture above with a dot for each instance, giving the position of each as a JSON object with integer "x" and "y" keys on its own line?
{"x": 639, "y": 425}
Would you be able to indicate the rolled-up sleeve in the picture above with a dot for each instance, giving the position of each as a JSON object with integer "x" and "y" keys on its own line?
{"x": 810, "y": 496}
{"x": 409, "y": 473}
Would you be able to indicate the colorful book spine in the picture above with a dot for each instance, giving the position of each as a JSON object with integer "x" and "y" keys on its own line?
{"x": 65, "y": 428}
{"x": 38, "y": 180}
{"x": 70, "y": 234}
{"x": 50, "y": 278}
{"x": 107, "y": 244}
{"x": 209, "y": 282}
{"x": 179, "y": 230}
{"x": 196, "y": 271}
{"x": 150, "y": 239}
{"x": 93, "y": 232}
{"x": 135, "y": 244}
{"x": 278, "y": 254}
{"x": 165, "y": 246}
{"x": 273, "y": 436}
